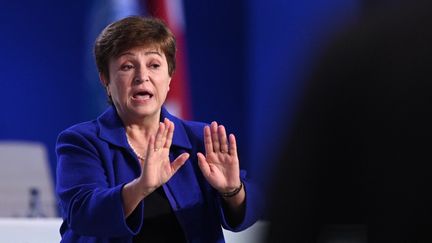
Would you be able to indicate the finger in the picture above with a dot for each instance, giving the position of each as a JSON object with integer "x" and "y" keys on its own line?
{"x": 207, "y": 140}
{"x": 202, "y": 163}
{"x": 179, "y": 162}
{"x": 214, "y": 136}
{"x": 169, "y": 136}
{"x": 233, "y": 145}
{"x": 167, "y": 123}
{"x": 158, "y": 143}
{"x": 150, "y": 147}
{"x": 223, "y": 139}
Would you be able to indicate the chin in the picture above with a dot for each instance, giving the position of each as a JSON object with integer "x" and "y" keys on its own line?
{"x": 147, "y": 111}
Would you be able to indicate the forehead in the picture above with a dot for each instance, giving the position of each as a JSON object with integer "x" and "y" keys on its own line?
{"x": 141, "y": 50}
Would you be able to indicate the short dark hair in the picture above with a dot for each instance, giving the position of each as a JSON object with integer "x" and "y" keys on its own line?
{"x": 131, "y": 32}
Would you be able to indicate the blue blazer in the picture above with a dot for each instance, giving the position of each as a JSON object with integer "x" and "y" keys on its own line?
{"x": 95, "y": 161}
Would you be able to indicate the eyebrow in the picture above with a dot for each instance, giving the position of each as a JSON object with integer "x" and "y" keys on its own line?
{"x": 146, "y": 53}
{"x": 152, "y": 52}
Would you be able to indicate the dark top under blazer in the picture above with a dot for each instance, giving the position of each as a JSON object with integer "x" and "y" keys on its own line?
{"x": 95, "y": 161}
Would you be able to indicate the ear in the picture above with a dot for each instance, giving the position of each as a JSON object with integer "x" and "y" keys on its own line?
{"x": 169, "y": 82}
{"x": 104, "y": 81}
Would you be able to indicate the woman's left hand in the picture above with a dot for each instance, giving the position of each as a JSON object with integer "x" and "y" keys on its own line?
{"x": 220, "y": 165}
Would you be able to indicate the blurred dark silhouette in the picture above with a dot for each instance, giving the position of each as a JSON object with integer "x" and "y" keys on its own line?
{"x": 357, "y": 162}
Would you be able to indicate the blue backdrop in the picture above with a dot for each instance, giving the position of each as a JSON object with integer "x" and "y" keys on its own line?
{"x": 247, "y": 61}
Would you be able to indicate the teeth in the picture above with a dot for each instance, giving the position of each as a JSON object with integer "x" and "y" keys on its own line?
{"x": 142, "y": 96}
{"x": 146, "y": 96}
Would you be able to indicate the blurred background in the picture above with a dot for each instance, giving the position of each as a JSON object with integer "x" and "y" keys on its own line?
{"x": 241, "y": 63}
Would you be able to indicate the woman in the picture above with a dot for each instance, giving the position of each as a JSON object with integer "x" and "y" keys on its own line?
{"x": 129, "y": 176}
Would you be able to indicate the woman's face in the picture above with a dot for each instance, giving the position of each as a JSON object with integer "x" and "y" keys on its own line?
{"x": 138, "y": 82}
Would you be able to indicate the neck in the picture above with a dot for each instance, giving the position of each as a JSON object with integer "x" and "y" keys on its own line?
{"x": 144, "y": 125}
{"x": 138, "y": 154}
{"x": 139, "y": 130}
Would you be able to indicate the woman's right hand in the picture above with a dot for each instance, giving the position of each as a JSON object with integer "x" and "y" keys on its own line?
{"x": 156, "y": 169}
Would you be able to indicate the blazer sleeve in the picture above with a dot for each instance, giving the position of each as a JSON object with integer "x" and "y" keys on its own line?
{"x": 90, "y": 206}
{"x": 254, "y": 206}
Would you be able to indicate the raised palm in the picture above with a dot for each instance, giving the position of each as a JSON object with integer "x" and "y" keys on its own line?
{"x": 220, "y": 164}
{"x": 157, "y": 168}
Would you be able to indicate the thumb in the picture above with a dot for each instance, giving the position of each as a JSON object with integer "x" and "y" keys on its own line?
{"x": 179, "y": 161}
{"x": 202, "y": 163}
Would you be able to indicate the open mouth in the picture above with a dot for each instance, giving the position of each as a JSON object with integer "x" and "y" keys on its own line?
{"x": 142, "y": 95}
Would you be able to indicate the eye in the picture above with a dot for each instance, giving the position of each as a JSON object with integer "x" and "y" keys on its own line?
{"x": 126, "y": 67}
{"x": 154, "y": 65}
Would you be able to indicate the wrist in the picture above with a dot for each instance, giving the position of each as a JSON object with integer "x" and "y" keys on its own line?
{"x": 140, "y": 189}
{"x": 233, "y": 192}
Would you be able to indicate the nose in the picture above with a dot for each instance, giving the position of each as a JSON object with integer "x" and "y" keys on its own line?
{"x": 142, "y": 75}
